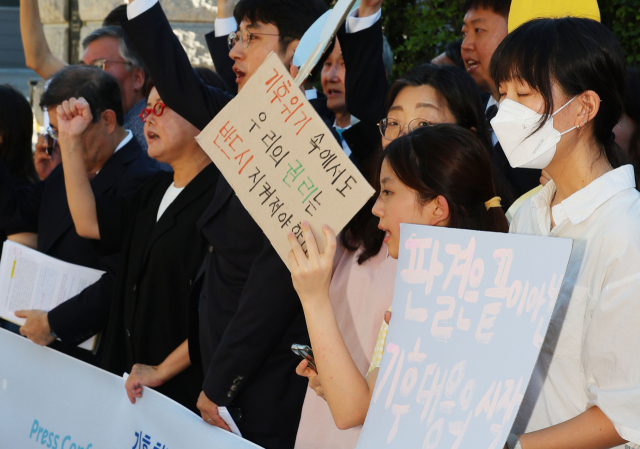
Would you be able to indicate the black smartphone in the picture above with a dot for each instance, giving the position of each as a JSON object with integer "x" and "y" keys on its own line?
{"x": 51, "y": 143}
{"x": 305, "y": 353}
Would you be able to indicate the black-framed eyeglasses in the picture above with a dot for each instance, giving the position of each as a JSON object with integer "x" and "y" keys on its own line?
{"x": 390, "y": 129}
{"x": 157, "y": 110}
{"x": 102, "y": 63}
{"x": 244, "y": 36}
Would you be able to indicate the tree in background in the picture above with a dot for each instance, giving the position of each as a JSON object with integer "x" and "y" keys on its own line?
{"x": 418, "y": 30}
{"x": 623, "y": 18}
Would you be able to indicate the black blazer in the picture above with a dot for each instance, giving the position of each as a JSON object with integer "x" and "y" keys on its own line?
{"x": 366, "y": 85}
{"x": 159, "y": 260}
{"x": 43, "y": 208}
{"x": 249, "y": 312}
{"x": 219, "y": 50}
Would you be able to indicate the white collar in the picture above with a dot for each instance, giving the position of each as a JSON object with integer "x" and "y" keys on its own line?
{"x": 354, "y": 121}
{"x": 124, "y": 141}
{"x": 492, "y": 102}
{"x": 579, "y": 206}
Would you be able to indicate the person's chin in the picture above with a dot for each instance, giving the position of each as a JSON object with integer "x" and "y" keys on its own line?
{"x": 155, "y": 153}
{"x": 393, "y": 249}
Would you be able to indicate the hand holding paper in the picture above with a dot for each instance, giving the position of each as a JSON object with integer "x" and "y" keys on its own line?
{"x": 37, "y": 327}
{"x": 142, "y": 376}
{"x": 209, "y": 412}
{"x": 311, "y": 273}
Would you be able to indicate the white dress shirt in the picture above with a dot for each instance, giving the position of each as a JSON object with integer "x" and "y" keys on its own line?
{"x": 122, "y": 143}
{"x": 169, "y": 197}
{"x": 591, "y": 353}
{"x": 492, "y": 102}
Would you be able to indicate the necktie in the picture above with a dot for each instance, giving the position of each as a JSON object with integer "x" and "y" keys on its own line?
{"x": 491, "y": 112}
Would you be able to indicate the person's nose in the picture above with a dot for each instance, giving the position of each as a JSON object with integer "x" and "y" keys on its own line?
{"x": 378, "y": 208}
{"x": 237, "y": 51}
{"x": 468, "y": 43}
{"x": 333, "y": 74}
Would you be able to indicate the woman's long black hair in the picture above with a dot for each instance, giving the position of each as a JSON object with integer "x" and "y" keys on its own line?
{"x": 16, "y": 129}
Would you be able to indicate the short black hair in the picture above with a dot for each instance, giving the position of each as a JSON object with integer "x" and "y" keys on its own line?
{"x": 97, "y": 87}
{"x": 292, "y": 17}
{"x": 16, "y": 130}
{"x": 577, "y": 54}
{"x": 501, "y": 7}
{"x": 113, "y": 18}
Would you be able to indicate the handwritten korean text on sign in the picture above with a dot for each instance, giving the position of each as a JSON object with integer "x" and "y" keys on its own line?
{"x": 470, "y": 313}
{"x": 282, "y": 161}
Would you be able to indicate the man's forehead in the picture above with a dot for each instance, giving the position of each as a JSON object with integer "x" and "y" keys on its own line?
{"x": 103, "y": 48}
{"x": 479, "y": 15}
{"x": 255, "y": 26}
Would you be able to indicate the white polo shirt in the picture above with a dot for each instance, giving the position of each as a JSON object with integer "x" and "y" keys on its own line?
{"x": 591, "y": 354}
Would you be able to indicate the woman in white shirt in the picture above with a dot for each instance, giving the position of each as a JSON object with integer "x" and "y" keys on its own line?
{"x": 560, "y": 99}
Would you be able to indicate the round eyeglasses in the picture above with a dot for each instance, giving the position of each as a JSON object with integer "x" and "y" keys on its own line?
{"x": 157, "y": 110}
{"x": 391, "y": 129}
{"x": 244, "y": 36}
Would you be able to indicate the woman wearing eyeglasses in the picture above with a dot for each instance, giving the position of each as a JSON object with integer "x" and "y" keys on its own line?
{"x": 161, "y": 250}
{"x": 361, "y": 288}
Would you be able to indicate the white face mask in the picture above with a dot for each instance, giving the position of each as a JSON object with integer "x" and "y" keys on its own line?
{"x": 513, "y": 125}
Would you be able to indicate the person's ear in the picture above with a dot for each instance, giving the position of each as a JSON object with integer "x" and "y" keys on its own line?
{"x": 440, "y": 211}
{"x": 108, "y": 117}
{"x": 589, "y": 105}
{"x": 287, "y": 57}
{"x": 138, "y": 78}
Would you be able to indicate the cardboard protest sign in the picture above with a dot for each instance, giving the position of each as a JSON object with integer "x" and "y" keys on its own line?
{"x": 48, "y": 399}
{"x": 470, "y": 313}
{"x": 282, "y": 161}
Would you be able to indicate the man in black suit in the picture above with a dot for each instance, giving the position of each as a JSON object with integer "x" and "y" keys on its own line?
{"x": 249, "y": 313}
{"x": 359, "y": 139}
{"x": 485, "y": 26}
{"x": 117, "y": 165}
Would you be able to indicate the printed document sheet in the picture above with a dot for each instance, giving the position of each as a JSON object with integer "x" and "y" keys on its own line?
{"x": 32, "y": 280}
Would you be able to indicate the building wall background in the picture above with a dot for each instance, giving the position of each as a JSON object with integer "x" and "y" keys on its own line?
{"x": 190, "y": 20}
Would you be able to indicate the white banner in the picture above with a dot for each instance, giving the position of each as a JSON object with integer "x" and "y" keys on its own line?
{"x": 48, "y": 399}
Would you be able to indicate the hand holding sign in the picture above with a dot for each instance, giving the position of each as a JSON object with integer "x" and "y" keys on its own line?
{"x": 282, "y": 160}
{"x": 311, "y": 272}
{"x": 471, "y": 310}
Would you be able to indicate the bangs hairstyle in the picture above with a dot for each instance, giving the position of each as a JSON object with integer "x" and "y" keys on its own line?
{"x": 292, "y": 17}
{"x": 451, "y": 161}
{"x": 578, "y": 55}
